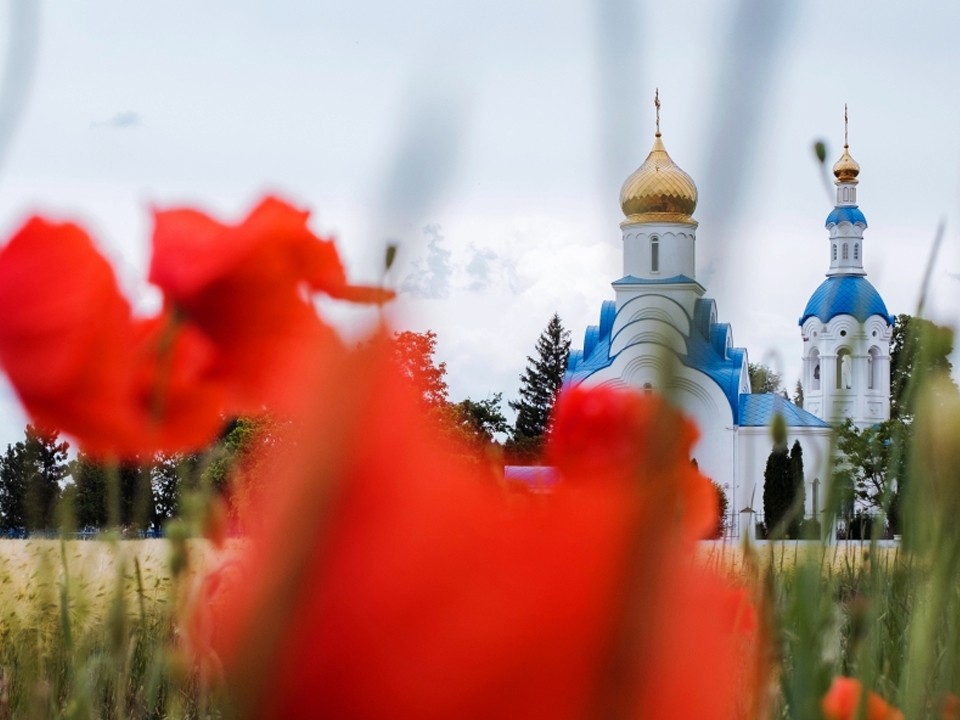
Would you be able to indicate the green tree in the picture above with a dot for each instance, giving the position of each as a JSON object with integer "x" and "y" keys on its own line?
{"x": 540, "y": 384}
{"x": 763, "y": 379}
{"x": 480, "y": 421}
{"x": 782, "y": 507}
{"x": 919, "y": 351}
{"x": 168, "y": 475}
{"x": 723, "y": 505}
{"x": 413, "y": 353}
{"x": 109, "y": 494}
{"x": 868, "y": 463}
{"x": 799, "y": 495}
{"x": 30, "y": 476}
{"x": 798, "y": 394}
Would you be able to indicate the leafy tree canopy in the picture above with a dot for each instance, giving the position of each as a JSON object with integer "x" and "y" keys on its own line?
{"x": 482, "y": 420}
{"x": 865, "y": 469}
{"x": 763, "y": 379}
{"x": 30, "y": 476}
{"x": 919, "y": 350}
{"x": 413, "y": 352}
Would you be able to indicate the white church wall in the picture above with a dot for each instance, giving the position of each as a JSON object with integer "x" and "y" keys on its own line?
{"x": 656, "y": 368}
{"x": 639, "y": 306}
{"x": 866, "y": 400}
{"x": 674, "y": 253}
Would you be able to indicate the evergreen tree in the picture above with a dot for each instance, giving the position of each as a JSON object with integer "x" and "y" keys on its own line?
{"x": 540, "y": 384}
{"x": 798, "y": 394}
{"x": 779, "y": 485}
{"x": 30, "y": 475}
{"x": 798, "y": 501}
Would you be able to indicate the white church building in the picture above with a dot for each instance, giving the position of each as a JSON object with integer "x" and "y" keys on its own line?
{"x": 662, "y": 332}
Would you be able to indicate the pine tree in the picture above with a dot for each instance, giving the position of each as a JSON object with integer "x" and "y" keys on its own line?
{"x": 540, "y": 384}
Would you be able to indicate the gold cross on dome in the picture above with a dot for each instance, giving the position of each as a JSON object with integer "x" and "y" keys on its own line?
{"x": 845, "y": 143}
{"x": 656, "y": 103}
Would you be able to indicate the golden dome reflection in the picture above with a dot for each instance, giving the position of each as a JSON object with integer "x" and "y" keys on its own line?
{"x": 846, "y": 168}
{"x": 659, "y": 191}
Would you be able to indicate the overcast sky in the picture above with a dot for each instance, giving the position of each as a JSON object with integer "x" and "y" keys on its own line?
{"x": 490, "y": 139}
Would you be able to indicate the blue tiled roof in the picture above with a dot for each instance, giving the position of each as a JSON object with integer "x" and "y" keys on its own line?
{"x": 706, "y": 346}
{"x": 845, "y": 295}
{"x": 850, "y": 213}
{"x": 634, "y": 280}
{"x": 758, "y": 411}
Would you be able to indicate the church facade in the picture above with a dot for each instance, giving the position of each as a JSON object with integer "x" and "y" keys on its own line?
{"x": 661, "y": 332}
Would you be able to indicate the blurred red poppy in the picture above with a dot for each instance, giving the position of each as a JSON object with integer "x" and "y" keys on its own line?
{"x": 843, "y": 699}
{"x": 247, "y": 288}
{"x": 620, "y": 435}
{"x": 66, "y": 333}
{"x": 388, "y": 579}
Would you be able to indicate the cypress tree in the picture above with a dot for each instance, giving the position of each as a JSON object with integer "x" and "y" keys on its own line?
{"x": 798, "y": 496}
{"x": 777, "y": 481}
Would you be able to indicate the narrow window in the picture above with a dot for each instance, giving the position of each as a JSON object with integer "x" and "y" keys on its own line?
{"x": 844, "y": 370}
{"x": 834, "y": 251}
{"x": 856, "y": 251}
{"x": 654, "y": 254}
{"x": 846, "y": 251}
{"x": 873, "y": 369}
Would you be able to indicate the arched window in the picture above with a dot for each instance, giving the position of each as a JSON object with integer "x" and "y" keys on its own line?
{"x": 846, "y": 251}
{"x": 844, "y": 370}
{"x": 873, "y": 368}
{"x": 834, "y": 251}
{"x": 654, "y": 254}
{"x": 815, "y": 361}
{"x": 856, "y": 251}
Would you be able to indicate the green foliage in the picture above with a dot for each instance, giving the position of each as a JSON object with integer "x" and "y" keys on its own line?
{"x": 763, "y": 379}
{"x": 242, "y": 439}
{"x": 723, "y": 505}
{"x": 111, "y": 495}
{"x": 798, "y": 394}
{"x": 919, "y": 351}
{"x": 481, "y": 420}
{"x": 413, "y": 353}
{"x": 30, "y": 476}
{"x": 540, "y": 384}
{"x": 869, "y": 462}
{"x": 783, "y": 494}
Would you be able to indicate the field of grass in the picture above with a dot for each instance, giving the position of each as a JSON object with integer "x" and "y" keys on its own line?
{"x": 88, "y": 629}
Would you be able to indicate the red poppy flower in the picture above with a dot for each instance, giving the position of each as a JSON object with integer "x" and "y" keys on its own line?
{"x": 81, "y": 364}
{"x": 389, "y": 579}
{"x": 619, "y": 435}
{"x": 843, "y": 699}
{"x": 66, "y": 333}
{"x": 247, "y": 288}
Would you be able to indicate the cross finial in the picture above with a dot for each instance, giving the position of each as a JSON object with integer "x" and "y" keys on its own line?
{"x": 845, "y": 143}
{"x": 656, "y": 103}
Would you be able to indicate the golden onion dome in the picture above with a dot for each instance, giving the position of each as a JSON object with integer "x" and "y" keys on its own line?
{"x": 846, "y": 168}
{"x": 659, "y": 191}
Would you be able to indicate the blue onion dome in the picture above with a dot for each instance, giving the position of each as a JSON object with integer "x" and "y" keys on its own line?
{"x": 845, "y": 295}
